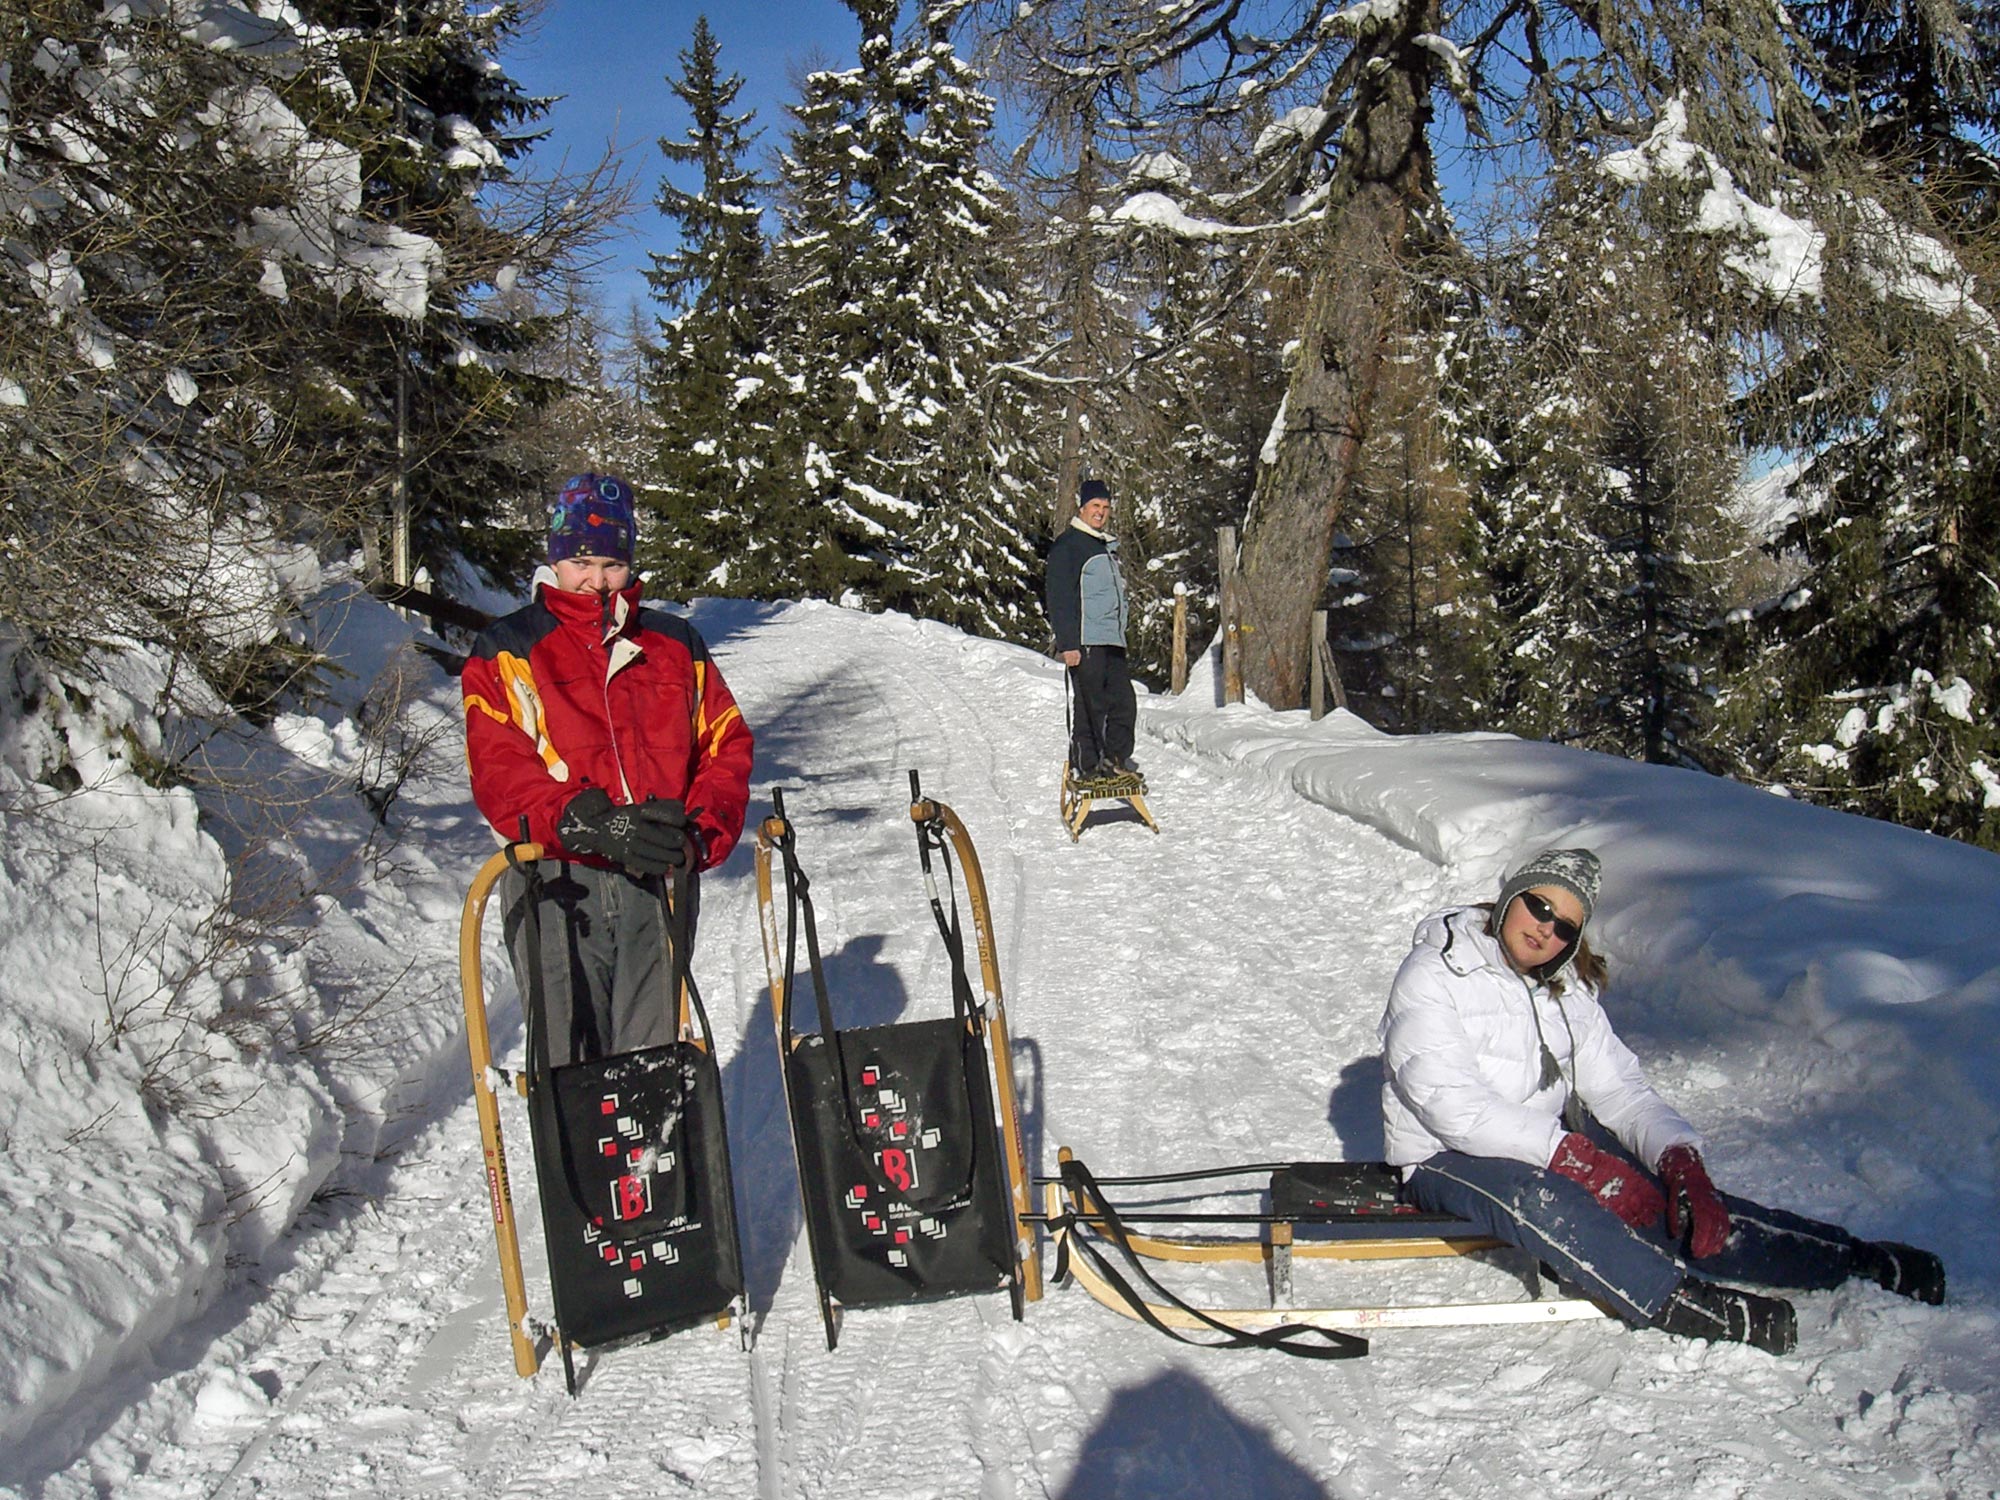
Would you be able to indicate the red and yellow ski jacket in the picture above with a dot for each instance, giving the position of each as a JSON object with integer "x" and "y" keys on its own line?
{"x": 574, "y": 692}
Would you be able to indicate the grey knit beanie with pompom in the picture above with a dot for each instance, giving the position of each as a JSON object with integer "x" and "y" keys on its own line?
{"x": 1574, "y": 870}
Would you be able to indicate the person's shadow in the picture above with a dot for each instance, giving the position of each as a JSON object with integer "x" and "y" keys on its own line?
{"x": 862, "y": 991}
{"x": 1354, "y": 1110}
{"x": 1173, "y": 1437}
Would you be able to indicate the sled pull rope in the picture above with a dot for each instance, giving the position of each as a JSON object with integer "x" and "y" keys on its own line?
{"x": 1288, "y": 1338}
{"x": 931, "y": 835}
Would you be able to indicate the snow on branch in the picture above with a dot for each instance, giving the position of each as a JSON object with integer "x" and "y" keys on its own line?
{"x": 1783, "y": 257}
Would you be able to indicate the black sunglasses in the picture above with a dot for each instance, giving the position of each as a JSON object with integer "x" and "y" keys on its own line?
{"x": 1541, "y": 911}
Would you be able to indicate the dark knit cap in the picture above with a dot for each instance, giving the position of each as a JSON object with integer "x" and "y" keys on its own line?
{"x": 1093, "y": 489}
{"x": 593, "y": 517}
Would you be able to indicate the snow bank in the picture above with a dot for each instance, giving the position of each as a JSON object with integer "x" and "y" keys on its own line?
{"x": 201, "y": 991}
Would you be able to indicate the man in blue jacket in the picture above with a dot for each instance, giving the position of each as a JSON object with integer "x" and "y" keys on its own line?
{"x": 1085, "y": 598}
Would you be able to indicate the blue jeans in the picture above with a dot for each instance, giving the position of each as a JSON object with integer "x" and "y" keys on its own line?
{"x": 1632, "y": 1271}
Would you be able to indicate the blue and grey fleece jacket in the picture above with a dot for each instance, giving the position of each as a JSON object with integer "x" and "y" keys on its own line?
{"x": 1084, "y": 595}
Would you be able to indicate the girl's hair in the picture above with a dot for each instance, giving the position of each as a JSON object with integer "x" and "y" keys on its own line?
{"x": 1588, "y": 965}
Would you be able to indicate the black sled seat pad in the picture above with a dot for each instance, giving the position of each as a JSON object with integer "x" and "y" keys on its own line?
{"x": 1357, "y": 1200}
{"x": 633, "y": 1166}
{"x": 907, "y": 1198}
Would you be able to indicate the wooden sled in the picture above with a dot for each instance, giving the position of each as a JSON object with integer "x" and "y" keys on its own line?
{"x": 1373, "y": 1229}
{"x": 525, "y": 1332}
{"x": 907, "y": 1135}
{"x": 1080, "y": 793}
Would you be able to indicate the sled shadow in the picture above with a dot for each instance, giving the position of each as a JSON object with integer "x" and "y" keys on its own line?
{"x": 863, "y": 991}
{"x": 1028, "y": 1080}
{"x": 1173, "y": 1437}
{"x": 1105, "y": 811}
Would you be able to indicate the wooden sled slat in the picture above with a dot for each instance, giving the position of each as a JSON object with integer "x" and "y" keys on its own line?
{"x": 1415, "y": 1248}
{"x": 1341, "y": 1319}
{"x": 1066, "y": 1212}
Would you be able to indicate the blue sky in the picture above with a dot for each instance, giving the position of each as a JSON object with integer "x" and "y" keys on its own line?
{"x": 611, "y": 60}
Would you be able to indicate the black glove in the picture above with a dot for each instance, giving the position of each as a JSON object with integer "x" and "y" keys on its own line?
{"x": 648, "y": 839}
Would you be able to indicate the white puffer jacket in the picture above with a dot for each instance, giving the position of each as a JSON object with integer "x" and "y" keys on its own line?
{"x": 1462, "y": 1065}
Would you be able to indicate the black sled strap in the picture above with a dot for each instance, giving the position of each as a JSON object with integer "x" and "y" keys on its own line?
{"x": 799, "y": 911}
{"x": 1287, "y": 1338}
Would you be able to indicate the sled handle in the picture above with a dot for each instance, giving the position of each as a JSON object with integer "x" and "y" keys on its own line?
{"x": 926, "y": 810}
{"x": 479, "y": 1045}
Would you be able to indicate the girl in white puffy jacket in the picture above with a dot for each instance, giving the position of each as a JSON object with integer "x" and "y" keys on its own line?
{"x": 1508, "y": 1100}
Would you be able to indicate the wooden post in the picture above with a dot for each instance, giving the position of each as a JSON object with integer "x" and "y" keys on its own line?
{"x": 1316, "y": 668}
{"x": 1232, "y": 624}
{"x": 1180, "y": 638}
{"x": 1330, "y": 669}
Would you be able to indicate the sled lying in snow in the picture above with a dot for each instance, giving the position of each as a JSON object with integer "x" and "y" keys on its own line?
{"x": 1317, "y": 1211}
{"x": 907, "y": 1135}
{"x": 631, "y": 1156}
{"x": 1080, "y": 793}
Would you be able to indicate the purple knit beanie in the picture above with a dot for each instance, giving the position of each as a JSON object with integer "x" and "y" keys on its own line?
{"x": 593, "y": 517}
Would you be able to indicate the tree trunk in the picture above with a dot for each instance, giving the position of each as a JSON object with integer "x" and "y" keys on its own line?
{"x": 1385, "y": 176}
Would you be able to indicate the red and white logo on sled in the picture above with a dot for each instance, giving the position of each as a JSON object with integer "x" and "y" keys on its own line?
{"x": 631, "y": 1196}
{"x": 899, "y": 1167}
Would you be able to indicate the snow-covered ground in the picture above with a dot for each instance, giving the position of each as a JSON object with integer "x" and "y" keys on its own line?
{"x": 294, "y": 1291}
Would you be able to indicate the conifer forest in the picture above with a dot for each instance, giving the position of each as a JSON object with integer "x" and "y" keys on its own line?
{"x": 1614, "y": 374}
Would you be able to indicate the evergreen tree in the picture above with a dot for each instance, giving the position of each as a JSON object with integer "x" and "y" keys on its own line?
{"x": 703, "y": 376}
{"x": 833, "y": 538}
{"x": 893, "y": 275}
{"x": 439, "y": 380}
{"x": 244, "y": 307}
{"x": 1870, "y": 683}
{"x": 1601, "y": 528}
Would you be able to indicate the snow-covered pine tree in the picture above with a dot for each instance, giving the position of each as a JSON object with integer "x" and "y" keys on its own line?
{"x": 708, "y": 392}
{"x": 1605, "y": 528}
{"x": 893, "y": 291}
{"x": 228, "y": 243}
{"x": 829, "y": 539}
{"x": 438, "y": 380}
{"x": 1872, "y": 683}
{"x": 953, "y": 430}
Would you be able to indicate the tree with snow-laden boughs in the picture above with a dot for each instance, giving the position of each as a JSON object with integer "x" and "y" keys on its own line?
{"x": 707, "y": 386}
{"x": 243, "y": 258}
{"x": 1359, "y": 89}
{"x": 1870, "y": 680}
{"x": 893, "y": 277}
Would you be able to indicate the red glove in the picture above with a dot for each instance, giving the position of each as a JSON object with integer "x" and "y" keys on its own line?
{"x": 1691, "y": 1197}
{"x": 1613, "y": 1181}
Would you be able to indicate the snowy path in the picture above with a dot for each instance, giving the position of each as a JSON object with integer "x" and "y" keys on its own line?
{"x": 1205, "y": 996}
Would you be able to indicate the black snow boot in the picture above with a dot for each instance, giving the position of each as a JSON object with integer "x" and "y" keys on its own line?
{"x": 1705, "y": 1310}
{"x": 1903, "y": 1269}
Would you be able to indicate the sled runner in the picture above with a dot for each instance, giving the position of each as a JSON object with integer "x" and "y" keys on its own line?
{"x": 1317, "y": 1211}
{"x": 1080, "y": 792}
{"x": 907, "y": 1135}
{"x": 631, "y": 1156}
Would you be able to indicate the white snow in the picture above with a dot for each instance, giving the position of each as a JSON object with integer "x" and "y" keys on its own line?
{"x": 299, "y": 1295}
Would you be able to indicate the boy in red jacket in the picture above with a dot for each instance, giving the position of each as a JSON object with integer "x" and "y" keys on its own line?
{"x": 609, "y": 730}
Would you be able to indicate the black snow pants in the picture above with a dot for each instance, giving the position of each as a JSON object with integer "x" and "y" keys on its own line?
{"x": 1107, "y": 710}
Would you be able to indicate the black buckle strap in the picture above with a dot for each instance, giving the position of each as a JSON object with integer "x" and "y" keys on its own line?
{"x": 1287, "y": 1338}
{"x": 798, "y": 899}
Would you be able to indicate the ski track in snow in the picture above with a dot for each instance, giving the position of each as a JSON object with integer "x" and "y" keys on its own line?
{"x": 1175, "y": 1001}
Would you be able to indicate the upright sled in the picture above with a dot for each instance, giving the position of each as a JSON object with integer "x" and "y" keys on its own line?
{"x": 631, "y": 1155}
{"x": 1351, "y": 1211}
{"x": 1080, "y": 793}
{"x": 907, "y": 1135}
